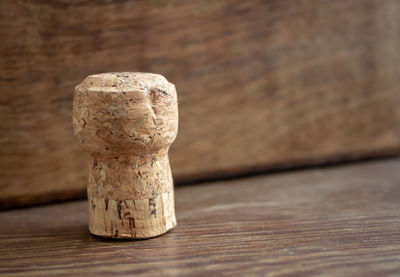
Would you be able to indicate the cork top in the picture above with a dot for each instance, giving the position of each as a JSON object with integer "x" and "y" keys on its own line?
{"x": 125, "y": 113}
{"x": 124, "y": 82}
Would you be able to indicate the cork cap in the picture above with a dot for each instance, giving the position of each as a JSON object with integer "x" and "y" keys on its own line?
{"x": 132, "y": 113}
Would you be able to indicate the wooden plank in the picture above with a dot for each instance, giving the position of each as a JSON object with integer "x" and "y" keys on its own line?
{"x": 261, "y": 84}
{"x": 332, "y": 222}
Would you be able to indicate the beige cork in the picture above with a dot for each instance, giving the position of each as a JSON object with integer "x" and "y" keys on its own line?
{"x": 127, "y": 122}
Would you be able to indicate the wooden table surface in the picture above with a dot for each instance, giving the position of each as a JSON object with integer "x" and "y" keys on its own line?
{"x": 336, "y": 221}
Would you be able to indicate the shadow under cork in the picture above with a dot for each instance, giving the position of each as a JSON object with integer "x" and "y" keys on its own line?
{"x": 128, "y": 239}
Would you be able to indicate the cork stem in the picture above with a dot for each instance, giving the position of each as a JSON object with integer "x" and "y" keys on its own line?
{"x": 130, "y": 196}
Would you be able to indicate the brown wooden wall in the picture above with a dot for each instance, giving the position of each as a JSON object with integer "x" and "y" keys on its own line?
{"x": 261, "y": 84}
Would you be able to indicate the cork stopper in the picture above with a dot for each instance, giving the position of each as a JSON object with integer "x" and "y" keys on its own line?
{"x": 127, "y": 122}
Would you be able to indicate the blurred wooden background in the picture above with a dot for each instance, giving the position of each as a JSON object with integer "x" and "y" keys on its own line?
{"x": 261, "y": 84}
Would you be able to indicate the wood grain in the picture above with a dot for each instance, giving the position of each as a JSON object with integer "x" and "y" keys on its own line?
{"x": 334, "y": 222}
{"x": 262, "y": 84}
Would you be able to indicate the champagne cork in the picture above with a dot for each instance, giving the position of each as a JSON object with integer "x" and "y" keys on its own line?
{"x": 127, "y": 122}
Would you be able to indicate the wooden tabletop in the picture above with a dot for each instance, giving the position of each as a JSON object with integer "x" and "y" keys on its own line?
{"x": 336, "y": 221}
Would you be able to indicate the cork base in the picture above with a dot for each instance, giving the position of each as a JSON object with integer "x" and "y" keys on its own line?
{"x": 133, "y": 218}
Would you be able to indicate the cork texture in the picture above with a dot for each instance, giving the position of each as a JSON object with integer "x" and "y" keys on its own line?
{"x": 127, "y": 122}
